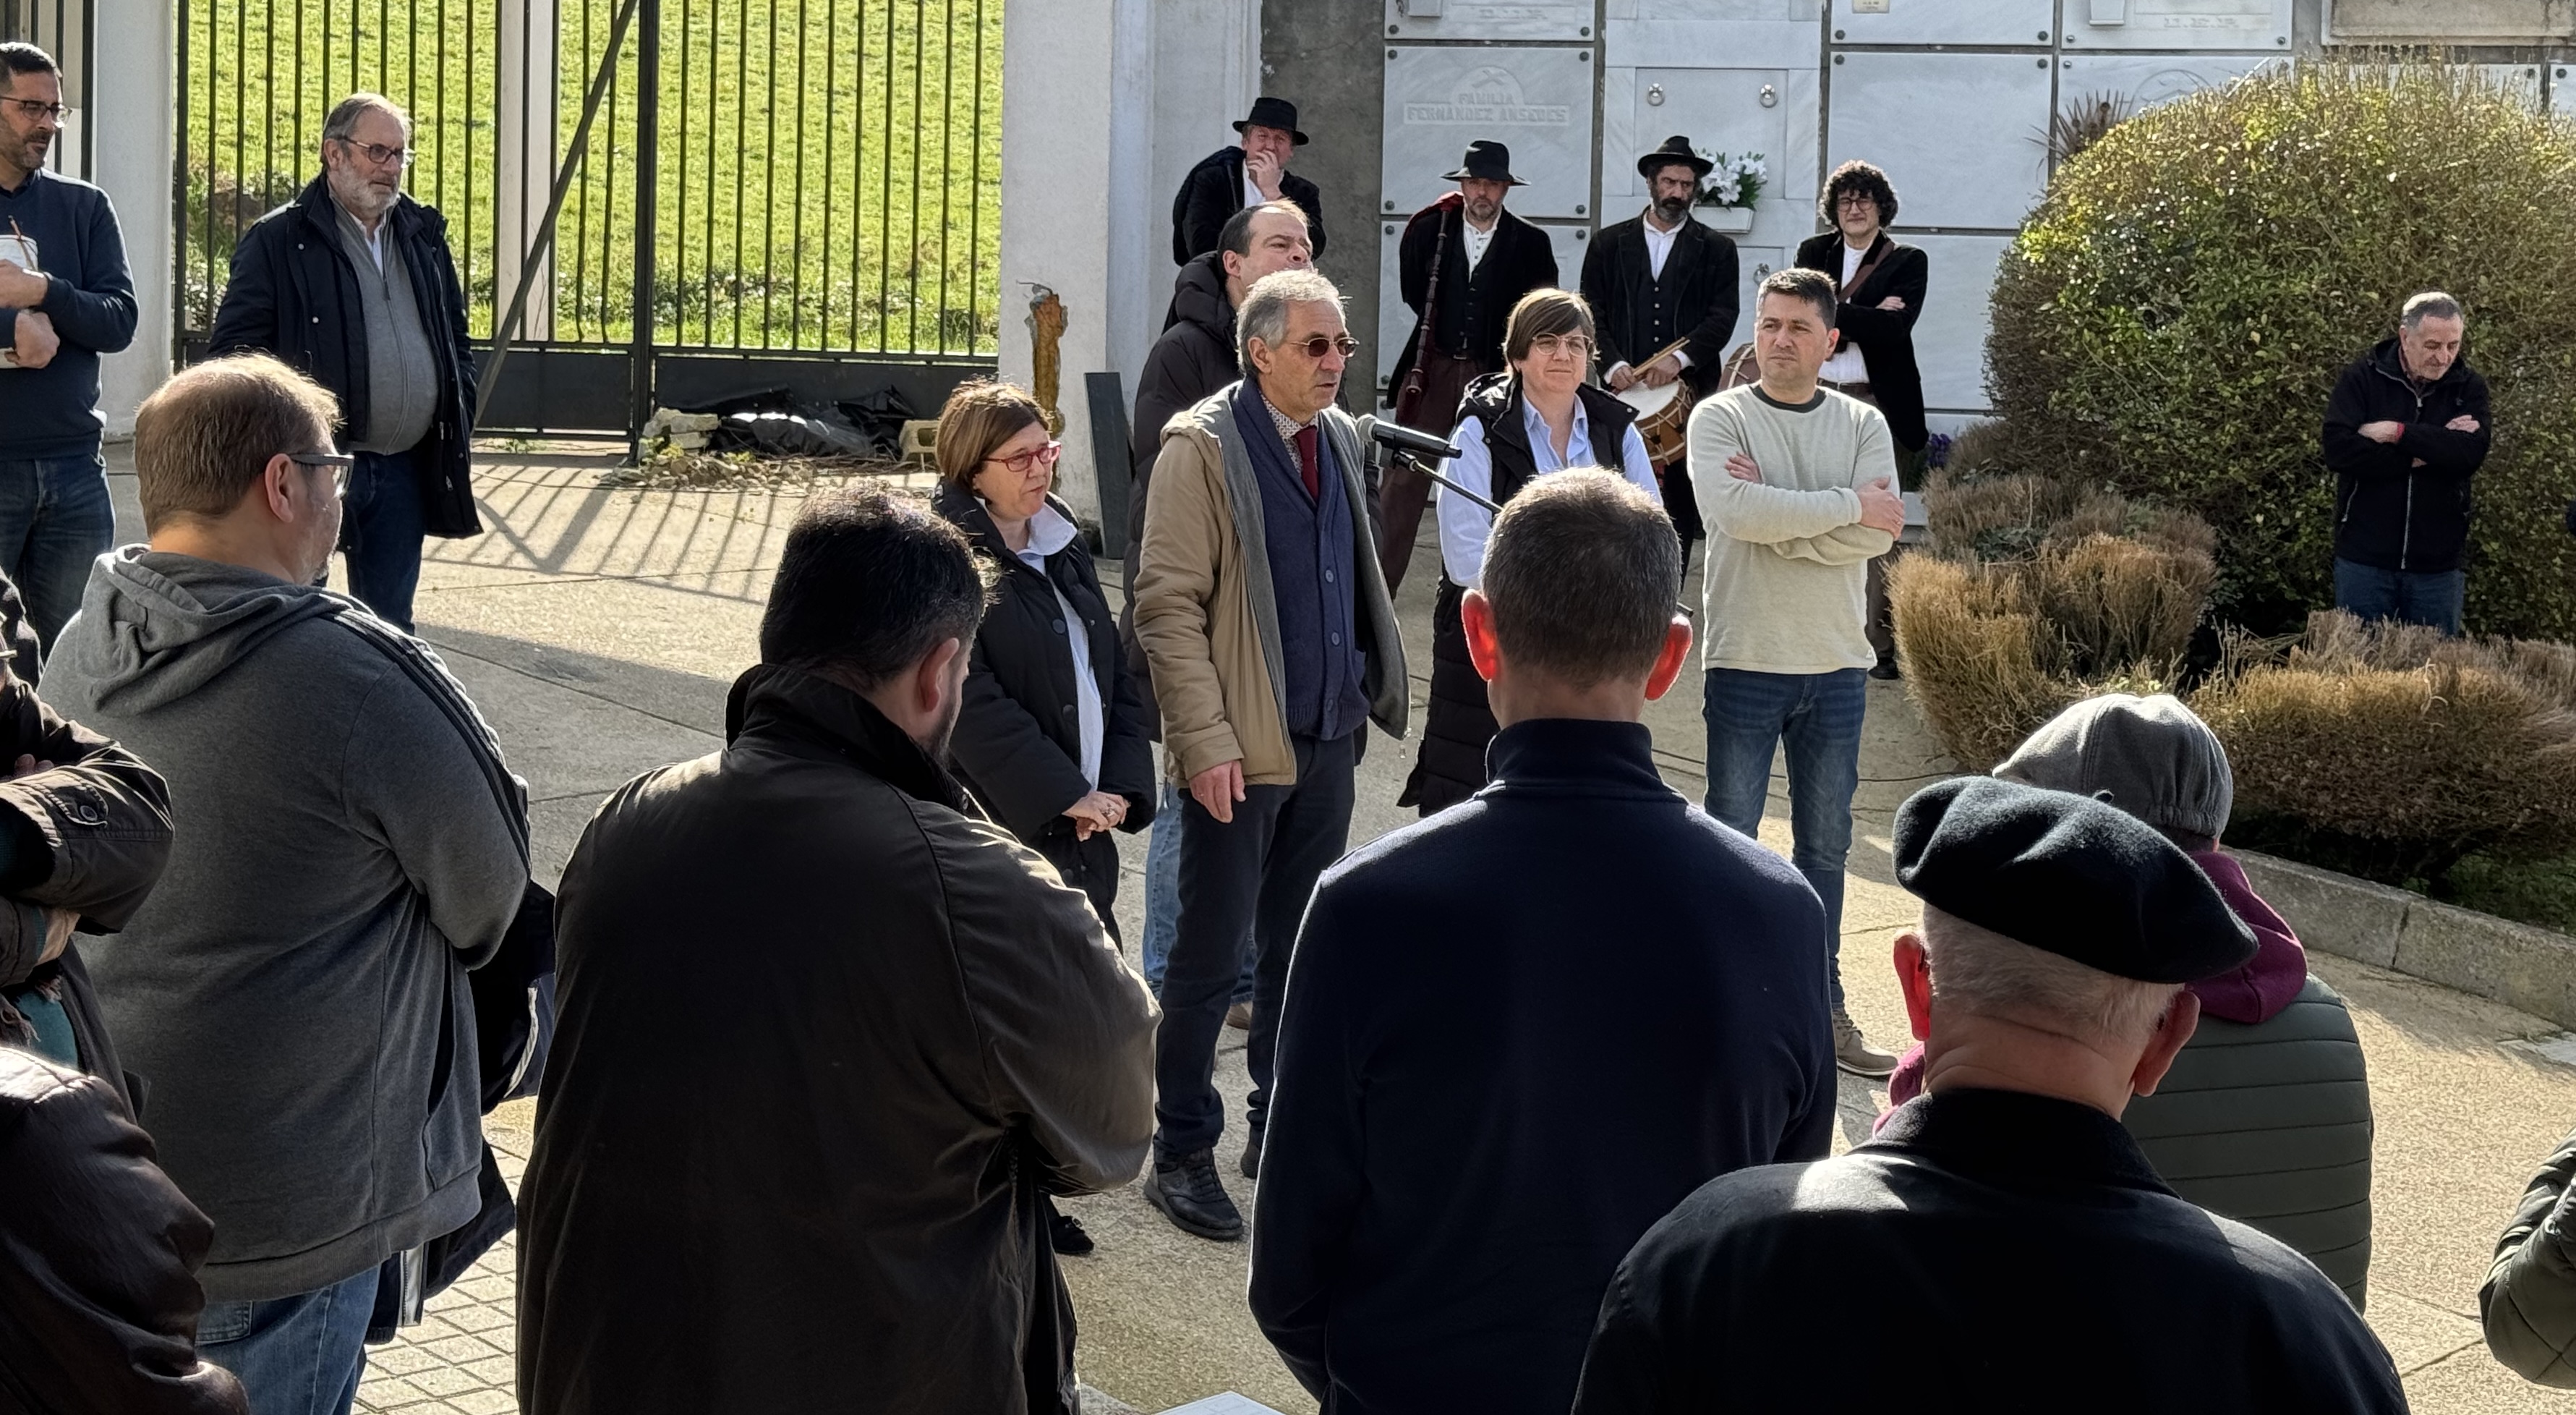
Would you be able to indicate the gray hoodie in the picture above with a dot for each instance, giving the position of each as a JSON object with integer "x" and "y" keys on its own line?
{"x": 294, "y": 993}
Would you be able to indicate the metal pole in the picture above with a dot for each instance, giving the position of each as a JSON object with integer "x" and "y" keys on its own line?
{"x": 544, "y": 244}
{"x": 648, "y": 143}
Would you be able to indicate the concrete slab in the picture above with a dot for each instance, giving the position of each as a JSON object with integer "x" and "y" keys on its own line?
{"x": 2341, "y": 915}
{"x": 2529, "y": 968}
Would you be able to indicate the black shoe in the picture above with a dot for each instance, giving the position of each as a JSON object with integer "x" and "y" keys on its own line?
{"x": 1252, "y": 1154}
{"x": 1189, "y": 1194}
{"x": 1886, "y": 670}
{"x": 1065, "y": 1233}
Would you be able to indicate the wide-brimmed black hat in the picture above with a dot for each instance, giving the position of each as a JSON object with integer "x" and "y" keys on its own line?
{"x": 1273, "y": 113}
{"x": 1675, "y": 149}
{"x": 1490, "y": 161}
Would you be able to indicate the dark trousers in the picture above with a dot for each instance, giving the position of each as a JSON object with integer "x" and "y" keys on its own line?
{"x": 382, "y": 525}
{"x": 1243, "y": 883}
{"x": 2432, "y": 597}
{"x": 1682, "y": 504}
{"x": 55, "y": 522}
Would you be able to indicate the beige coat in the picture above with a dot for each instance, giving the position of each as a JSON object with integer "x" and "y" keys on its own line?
{"x": 1205, "y": 612}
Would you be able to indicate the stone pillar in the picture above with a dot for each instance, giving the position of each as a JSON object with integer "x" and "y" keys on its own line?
{"x": 134, "y": 155}
{"x": 527, "y": 153}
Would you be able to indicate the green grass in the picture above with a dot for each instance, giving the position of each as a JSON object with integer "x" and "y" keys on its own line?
{"x": 828, "y": 175}
{"x": 2541, "y": 892}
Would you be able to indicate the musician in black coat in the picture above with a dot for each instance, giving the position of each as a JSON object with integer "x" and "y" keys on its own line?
{"x": 1661, "y": 277}
{"x": 1232, "y": 178}
{"x": 1488, "y": 259}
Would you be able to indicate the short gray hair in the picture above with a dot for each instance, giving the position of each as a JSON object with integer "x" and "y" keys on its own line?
{"x": 346, "y": 113}
{"x": 1264, "y": 315}
{"x": 1979, "y": 971}
{"x": 2432, "y": 304}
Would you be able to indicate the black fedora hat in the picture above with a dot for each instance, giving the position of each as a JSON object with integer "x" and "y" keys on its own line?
{"x": 1490, "y": 161}
{"x": 1675, "y": 149}
{"x": 1273, "y": 113}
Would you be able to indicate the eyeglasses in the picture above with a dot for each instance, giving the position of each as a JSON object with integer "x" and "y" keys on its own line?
{"x": 1548, "y": 346}
{"x": 41, "y": 111}
{"x": 1020, "y": 464}
{"x": 338, "y": 462}
{"x": 1861, "y": 199}
{"x": 380, "y": 154}
{"x": 1323, "y": 344}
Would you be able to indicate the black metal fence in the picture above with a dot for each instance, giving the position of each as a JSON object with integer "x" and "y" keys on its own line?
{"x": 823, "y": 177}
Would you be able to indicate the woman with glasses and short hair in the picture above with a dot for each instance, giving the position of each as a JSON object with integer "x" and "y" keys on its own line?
{"x": 1052, "y": 738}
{"x": 1513, "y": 427}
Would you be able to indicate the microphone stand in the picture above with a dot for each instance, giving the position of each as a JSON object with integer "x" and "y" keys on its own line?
{"x": 1419, "y": 465}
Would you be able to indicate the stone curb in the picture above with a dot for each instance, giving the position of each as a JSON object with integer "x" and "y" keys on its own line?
{"x": 2520, "y": 965}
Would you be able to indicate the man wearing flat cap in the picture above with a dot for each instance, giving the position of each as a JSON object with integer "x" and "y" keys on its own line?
{"x": 1658, "y": 279}
{"x": 1463, "y": 264}
{"x": 1232, "y": 178}
{"x": 2036, "y": 1258}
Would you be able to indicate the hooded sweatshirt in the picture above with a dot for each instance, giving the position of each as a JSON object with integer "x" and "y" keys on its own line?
{"x": 295, "y": 991}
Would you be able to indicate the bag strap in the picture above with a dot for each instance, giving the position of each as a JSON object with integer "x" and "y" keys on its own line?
{"x": 1860, "y": 277}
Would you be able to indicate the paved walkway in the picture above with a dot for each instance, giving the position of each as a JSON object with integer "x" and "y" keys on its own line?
{"x": 600, "y": 629}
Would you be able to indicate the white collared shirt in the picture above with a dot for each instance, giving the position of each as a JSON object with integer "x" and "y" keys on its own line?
{"x": 1846, "y": 365}
{"x": 1465, "y": 526}
{"x": 1477, "y": 241}
{"x": 1659, "y": 246}
{"x": 1050, "y": 532}
{"x": 1252, "y": 190}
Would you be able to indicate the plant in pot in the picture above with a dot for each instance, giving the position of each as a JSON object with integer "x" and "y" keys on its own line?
{"x": 1728, "y": 192}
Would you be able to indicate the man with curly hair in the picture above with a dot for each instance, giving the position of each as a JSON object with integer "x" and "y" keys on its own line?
{"x": 1880, "y": 283}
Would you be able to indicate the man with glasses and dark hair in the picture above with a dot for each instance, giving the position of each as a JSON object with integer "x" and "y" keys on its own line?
{"x": 1273, "y": 643}
{"x": 353, "y": 282}
{"x": 295, "y": 988}
{"x": 65, "y": 298}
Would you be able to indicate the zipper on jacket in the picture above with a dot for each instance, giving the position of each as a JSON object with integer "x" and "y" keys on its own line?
{"x": 2406, "y": 527}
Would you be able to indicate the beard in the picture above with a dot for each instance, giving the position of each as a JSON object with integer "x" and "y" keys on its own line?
{"x": 361, "y": 197}
{"x": 1484, "y": 212}
{"x": 1672, "y": 209}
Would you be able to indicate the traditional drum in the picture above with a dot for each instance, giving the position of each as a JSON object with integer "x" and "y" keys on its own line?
{"x": 1663, "y": 419}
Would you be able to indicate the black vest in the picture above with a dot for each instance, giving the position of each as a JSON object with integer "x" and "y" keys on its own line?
{"x": 1495, "y": 401}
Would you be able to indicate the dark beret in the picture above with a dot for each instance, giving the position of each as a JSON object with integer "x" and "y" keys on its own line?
{"x": 2077, "y": 877}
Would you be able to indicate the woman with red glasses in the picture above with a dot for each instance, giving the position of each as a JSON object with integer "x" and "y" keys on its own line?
{"x": 1053, "y": 739}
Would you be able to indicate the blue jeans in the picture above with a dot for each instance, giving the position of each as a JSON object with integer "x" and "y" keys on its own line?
{"x": 55, "y": 522}
{"x": 299, "y": 1355}
{"x": 381, "y": 529}
{"x": 1819, "y": 716}
{"x": 2407, "y": 596}
{"x": 1163, "y": 892}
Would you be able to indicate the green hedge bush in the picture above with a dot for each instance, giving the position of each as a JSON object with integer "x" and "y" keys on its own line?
{"x": 2172, "y": 317}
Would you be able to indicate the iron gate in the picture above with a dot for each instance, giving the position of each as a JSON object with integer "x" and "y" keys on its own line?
{"x": 816, "y": 182}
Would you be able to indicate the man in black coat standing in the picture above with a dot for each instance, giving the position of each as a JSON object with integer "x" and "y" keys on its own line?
{"x": 1880, "y": 283}
{"x": 1518, "y": 1032}
{"x": 2406, "y": 429}
{"x": 1488, "y": 258}
{"x": 353, "y": 284}
{"x": 1661, "y": 278}
{"x": 2031, "y": 1257}
{"x": 1232, "y": 178}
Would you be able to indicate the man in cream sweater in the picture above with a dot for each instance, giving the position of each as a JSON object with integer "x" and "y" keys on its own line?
{"x": 1792, "y": 484}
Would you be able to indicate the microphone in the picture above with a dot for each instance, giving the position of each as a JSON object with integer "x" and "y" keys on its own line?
{"x": 1405, "y": 439}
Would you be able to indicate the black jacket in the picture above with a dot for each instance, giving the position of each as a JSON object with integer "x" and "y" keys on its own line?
{"x": 1473, "y": 308}
{"x": 294, "y": 294}
{"x": 98, "y": 1259}
{"x": 1192, "y": 359}
{"x": 1018, "y": 744}
{"x": 799, "y": 1129}
{"x": 2390, "y": 512}
{"x": 1635, "y": 315}
{"x": 1885, "y": 337}
{"x": 2036, "y": 1259}
{"x": 1458, "y": 721}
{"x": 1516, "y": 1035}
{"x": 1213, "y": 191}
{"x": 2529, "y": 1300}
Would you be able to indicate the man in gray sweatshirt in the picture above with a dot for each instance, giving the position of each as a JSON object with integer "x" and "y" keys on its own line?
{"x": 349, "y": 844}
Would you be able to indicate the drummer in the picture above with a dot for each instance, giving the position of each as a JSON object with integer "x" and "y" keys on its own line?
{"x": 1539, "y": 416}
{"x": 1664, "y": 288}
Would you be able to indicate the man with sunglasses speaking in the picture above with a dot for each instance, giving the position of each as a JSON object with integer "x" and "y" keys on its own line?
{"x": 65, "y": 299}
{"x": 1273, "y": 642}
{"x": 353, "y": 283}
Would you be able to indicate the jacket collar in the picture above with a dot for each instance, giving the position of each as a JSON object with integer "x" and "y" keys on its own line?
{"x": 323, "y": 213}
{"x": 791, "y": 705}
{"x": 966, "y": 511}
{"x": 1566, "y": 756}
{"x": 2385, "y": 358}
{"x": 2018, "y": 1141}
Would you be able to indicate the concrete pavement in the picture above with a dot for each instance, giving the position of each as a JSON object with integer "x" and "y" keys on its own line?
{"x": 600, "y": 629}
